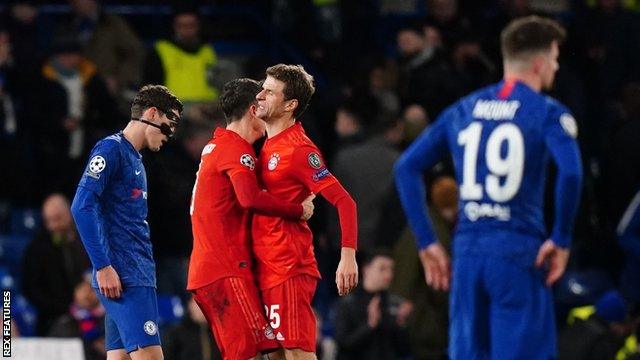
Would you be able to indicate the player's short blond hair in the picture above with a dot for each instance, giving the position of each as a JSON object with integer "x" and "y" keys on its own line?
{"x": 298, "y": 84}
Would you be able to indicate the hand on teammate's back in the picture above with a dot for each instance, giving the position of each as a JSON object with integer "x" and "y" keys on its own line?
{"x": 437, "y": 268}
{"x": 347, "y": 272}
{"x": 109, "y": 282}
{"x": 307, "y": 207}
{"x": 555, "y": 258}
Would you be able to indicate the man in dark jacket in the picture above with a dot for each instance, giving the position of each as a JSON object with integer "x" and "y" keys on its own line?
{"x": 53, "y": 263}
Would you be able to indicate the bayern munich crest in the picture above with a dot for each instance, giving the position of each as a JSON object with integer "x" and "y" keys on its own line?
{"x": 273, "y": 161}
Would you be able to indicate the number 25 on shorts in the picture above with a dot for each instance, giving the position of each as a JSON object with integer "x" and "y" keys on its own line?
{"x": 272, "y": 314}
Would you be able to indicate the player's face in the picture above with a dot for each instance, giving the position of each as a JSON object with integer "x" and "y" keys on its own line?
{"x": 271, "y": 100}
{"x": 550, "y": 66}
{"x": 155, "y": 137}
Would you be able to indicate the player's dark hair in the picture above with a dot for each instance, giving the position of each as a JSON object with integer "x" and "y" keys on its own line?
{"x": 528, "y": 35}
{"x": 237, "y": 96}
{"x": 157, "y": 96}
{"x": 298, "y": 84}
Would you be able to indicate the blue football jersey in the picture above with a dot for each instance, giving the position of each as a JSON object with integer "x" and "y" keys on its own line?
{"x": 110, "y": 209}
{"x": 500, "y": 139}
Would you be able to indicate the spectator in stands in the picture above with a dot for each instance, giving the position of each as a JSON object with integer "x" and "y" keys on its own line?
{"x": 599, "y": 335}
{"x": 424, "y": 73}
{"x": 371, "y": 322}
{"x": 80, "y": 111}
{"x": 365, "y": 170}
{"x": 15, "y": 133}
{"x": 185, "y": 63}
{"x": 416, "y": 119}
{"x": 349, "y": 125}
{"x": 171, "y": 174}
{"x": 472, "y": 68}
{"x": 53, "y": 263}
{"x": 109, "y": 42}
{"x": 191, "y": 339}
{"x": 85, "y": 320}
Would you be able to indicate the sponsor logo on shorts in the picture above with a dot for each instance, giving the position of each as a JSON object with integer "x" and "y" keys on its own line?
{"x": 279, "y": 336}
{"x": 268, "y": 333}
{"x": 150, "y": 328}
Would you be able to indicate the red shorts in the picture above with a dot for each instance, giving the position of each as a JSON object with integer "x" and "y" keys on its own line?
{"x": 233, "y": 310}
{"x": 288, "y": 307}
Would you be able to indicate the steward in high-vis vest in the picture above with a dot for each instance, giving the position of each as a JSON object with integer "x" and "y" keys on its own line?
{"x": 185, "y": 63}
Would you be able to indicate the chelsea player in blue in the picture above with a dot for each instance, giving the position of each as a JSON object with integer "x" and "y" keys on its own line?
{"x": 501, "y": 138}
{"x": 110, "y": 208}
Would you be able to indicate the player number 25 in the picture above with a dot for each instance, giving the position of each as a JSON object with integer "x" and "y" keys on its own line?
{"x": 273, "y": 315}
{"x": 510, "y": 166}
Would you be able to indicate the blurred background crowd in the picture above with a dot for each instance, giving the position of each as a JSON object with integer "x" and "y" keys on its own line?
{"x": 384, "y": 70}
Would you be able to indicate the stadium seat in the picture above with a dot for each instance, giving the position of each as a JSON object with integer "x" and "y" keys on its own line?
{"x": 170, "y": 309}
{"x": 25, "y": 221}
{"x": 24, "y": 315}
{"x": 6, "y": 279}
{"x": 579, "y": 288}
{"x": 12, "y": 248}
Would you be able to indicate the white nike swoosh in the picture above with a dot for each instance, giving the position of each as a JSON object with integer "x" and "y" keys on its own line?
{"x": 138, "y": 172}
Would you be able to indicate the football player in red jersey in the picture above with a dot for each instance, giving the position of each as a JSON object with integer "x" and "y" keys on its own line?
{"x": 226, "y": 189}
{"x": 290, "y": 167}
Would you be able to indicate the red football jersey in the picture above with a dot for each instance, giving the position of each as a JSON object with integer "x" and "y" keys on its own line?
{"x": 290, "y": 167}
{"x": 220, "y": 225}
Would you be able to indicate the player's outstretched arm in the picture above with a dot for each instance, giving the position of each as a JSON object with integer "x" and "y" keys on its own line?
{"x": 422, "y": 155}
{"x": 250, "y": 196}
{"x": 347, "y": 272}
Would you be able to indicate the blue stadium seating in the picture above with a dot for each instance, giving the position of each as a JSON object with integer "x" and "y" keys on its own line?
{"x": 25, "y": 221}
{"x": 170, "y": 309}
{"x": 24, "y": 315}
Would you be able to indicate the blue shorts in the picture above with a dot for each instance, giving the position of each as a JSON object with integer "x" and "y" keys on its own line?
{"x": 131, "y": 321}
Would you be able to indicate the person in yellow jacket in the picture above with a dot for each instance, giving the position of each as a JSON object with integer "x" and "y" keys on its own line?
{"x": 184, "y": 63}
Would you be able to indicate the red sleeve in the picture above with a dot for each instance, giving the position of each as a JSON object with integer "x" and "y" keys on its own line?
{"x": 250, "y": 196}
{"x": 310, "y": 169}
{"x": 347, "y": 212}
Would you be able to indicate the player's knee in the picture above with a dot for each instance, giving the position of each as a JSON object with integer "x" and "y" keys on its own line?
{"x": 147, "y": 353}
{"x": 119, "y": 354}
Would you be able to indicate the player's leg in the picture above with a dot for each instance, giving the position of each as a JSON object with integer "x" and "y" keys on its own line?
{"x": 233, "y": 310}
{"x": 153, "y": 352}
{"x": 118, "y": 354}
{"x": 135, "y": 315}
{"x": 468, "y": 310}
{"x": 522, "y": 317}
{"x": 112, "y": 342}
{"x": 288, "y": 307}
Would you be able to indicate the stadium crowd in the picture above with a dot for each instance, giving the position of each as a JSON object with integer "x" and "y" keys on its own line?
{"x": 384, "y": 70}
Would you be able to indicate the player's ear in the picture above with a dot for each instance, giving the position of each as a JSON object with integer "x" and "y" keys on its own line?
{"x": 291, "y": 105}
{"x": 253, "y": 109}
{"x": 537, "y": 64}
{"x": 150, "y": 113}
